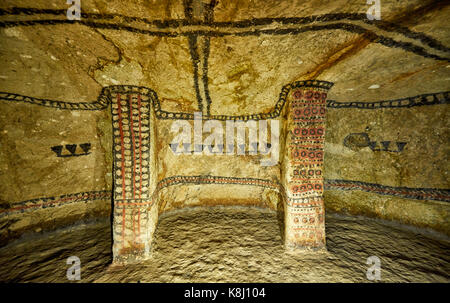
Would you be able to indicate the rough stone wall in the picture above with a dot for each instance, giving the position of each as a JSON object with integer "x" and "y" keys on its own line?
{"x": 385, "y": 151}
{"x": 398, "y": 157}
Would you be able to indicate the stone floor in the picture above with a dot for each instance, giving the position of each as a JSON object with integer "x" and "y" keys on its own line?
{"x": 233, "y": 244}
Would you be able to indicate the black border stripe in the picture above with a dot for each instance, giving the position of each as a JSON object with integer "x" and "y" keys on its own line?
{"x": 403, "y": 192}
{"x": 104, "y": 100}
{"x": 372, "y": 36}
{"x": 435, "y": 194}
{"x": 189, "y": 21}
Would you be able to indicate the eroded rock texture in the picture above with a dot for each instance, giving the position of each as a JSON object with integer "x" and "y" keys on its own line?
{"x": 233, "y": 244}
{"x": 88, "y": 110}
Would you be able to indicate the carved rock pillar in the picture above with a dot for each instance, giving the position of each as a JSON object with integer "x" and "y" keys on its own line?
{"x": 133, "y": 215}
{"x": 302, "y": 165}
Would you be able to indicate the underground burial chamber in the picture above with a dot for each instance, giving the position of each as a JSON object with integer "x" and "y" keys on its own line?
{"x": 324, "y": 127}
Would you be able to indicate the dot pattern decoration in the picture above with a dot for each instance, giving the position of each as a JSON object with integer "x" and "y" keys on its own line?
{"x": 131, "y": 170}
{"x": 131, "y": 135}
{"x": 304, "y": 214}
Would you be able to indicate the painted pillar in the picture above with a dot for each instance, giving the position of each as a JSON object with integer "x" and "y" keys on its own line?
{"x": 303, "y": 165}
{"x": 132, "y": 216}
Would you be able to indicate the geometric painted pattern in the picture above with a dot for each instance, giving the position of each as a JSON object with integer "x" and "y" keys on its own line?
{"x": 105, "y": 98}
{"x": 306, "y": 105}
{"x": 131, "y": 130}
{"x": 131, "y": 166}
{"x": 435, "y": 194}
{"x": 305, "y": 211}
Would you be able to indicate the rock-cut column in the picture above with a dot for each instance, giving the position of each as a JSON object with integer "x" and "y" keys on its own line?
{"x": 303, "y": 165}
{"x": 133, "y": 215}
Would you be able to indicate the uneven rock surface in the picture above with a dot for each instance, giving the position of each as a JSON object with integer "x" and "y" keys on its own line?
{"x": 234, "y": 244}
{"x": 87, "y": 108}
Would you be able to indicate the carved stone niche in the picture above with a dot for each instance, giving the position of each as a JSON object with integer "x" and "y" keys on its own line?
{"x": 136, "y": 116}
